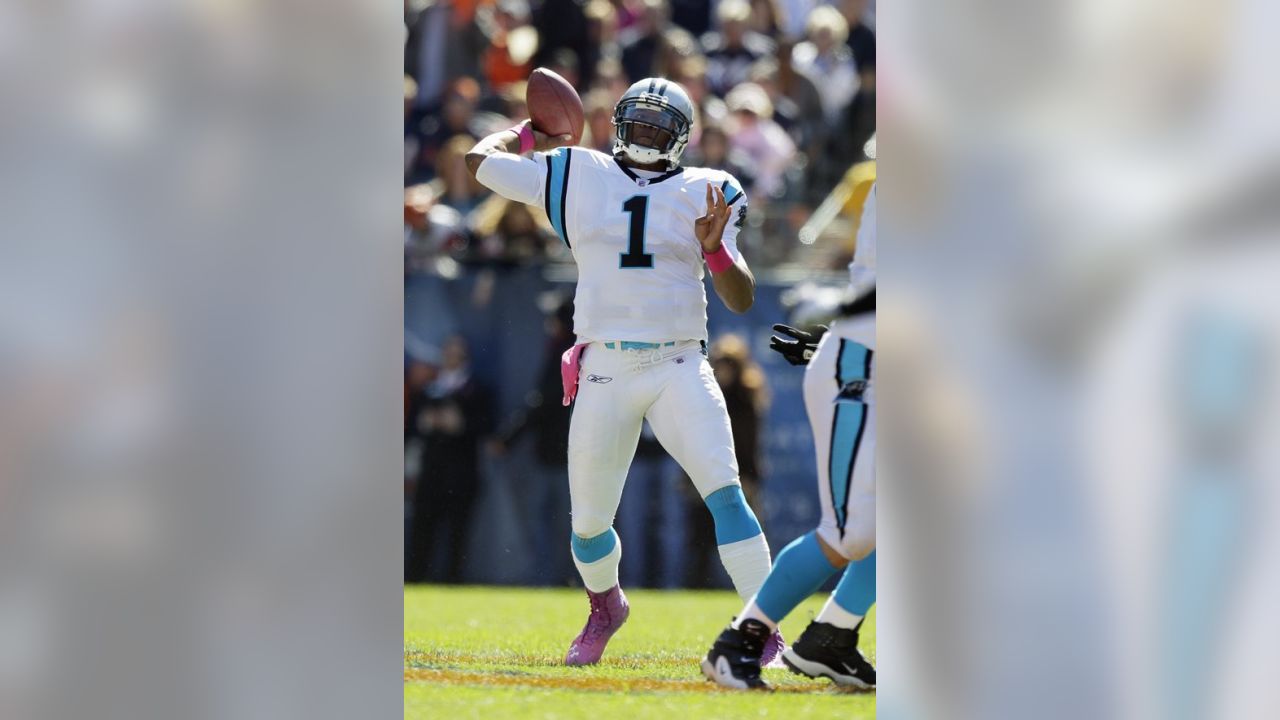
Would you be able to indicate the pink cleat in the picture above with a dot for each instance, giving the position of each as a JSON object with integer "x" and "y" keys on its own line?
{"x": 773, "y": 647}
{"x": 609, "y": 610}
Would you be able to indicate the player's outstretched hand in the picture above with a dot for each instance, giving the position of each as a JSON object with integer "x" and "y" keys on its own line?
{"x": 710, "y": 227}
{"x": 800, "y": 348}
{"x": 543, "y": 142}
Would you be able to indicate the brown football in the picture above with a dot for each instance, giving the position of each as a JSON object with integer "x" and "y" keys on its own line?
{"x": 554, "y": 106}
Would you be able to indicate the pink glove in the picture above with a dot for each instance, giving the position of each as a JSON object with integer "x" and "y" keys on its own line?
{"x": 570, "y": 362}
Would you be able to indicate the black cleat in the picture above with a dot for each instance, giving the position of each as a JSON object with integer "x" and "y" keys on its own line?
{"x": 824, "y": 650}
{"x": 734, "y": 659}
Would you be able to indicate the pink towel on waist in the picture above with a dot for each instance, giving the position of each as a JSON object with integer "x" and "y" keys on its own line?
{"x": 569, "y": 363}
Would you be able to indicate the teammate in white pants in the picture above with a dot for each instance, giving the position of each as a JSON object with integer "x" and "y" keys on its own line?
{"x": 839, "y": 397}
{"x": 640, "y": 228}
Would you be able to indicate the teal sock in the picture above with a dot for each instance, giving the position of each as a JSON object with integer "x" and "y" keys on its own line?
{"x": 856, "y": 592}
{"x": 799, "y": 571}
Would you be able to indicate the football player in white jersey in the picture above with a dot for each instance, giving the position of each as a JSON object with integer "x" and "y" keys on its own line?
{"x": 839, "y": 397}
{"x": 640, "y": 228}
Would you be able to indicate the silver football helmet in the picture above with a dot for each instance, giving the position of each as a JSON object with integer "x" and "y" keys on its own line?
{"x": 652, "y": 122}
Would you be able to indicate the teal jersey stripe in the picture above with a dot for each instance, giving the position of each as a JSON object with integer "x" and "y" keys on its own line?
{"x": 557, "y": 185}
{"x": 731, "y": 191}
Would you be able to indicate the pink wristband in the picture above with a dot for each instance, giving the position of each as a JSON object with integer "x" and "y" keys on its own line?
{"x": 719, "y": 261}
{"x": 526, "y": 137}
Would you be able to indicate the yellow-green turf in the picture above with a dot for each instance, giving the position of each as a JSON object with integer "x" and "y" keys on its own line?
{"x": 497, "y": 652}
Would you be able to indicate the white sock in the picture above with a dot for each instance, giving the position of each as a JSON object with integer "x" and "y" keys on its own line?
{"x": 753, "y": 612}
{"x": 602, "y": 574}
{"x": 833, "y": 614}
{"x": 748, "y": 564}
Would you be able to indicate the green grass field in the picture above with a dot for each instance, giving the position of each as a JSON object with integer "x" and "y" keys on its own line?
{"x": 497, "y": 652}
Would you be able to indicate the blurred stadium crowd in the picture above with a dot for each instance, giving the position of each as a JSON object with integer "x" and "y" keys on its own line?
{"x": 785, "y": 92}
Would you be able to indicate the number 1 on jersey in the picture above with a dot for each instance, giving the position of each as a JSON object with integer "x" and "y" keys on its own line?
{"x": 635, "y": 256}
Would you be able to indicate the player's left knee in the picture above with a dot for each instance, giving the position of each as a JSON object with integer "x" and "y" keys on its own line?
{"x": 587, "y": 525}
{"x": 733, "y": 517}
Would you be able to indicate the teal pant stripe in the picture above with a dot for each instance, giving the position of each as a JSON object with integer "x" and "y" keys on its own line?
{"x": 846, "y": 427}
{"x": 733, "y": 517}
{"x": 856, "y": 591}
{"x": 798, "y": 572}
{"x": 589, "y": 550}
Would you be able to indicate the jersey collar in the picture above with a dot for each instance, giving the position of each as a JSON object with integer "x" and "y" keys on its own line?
{"x": 642, "y": 181}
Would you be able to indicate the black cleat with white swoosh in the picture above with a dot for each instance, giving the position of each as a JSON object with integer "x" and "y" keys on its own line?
{"x": 734, "y": 659}
{"x": 824, "y": 650}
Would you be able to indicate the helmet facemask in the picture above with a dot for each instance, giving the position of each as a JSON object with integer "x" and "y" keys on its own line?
{"x": 650, "y": 130}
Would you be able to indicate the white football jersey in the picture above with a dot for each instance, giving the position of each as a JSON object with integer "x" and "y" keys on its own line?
{"x": 640, "y": 266}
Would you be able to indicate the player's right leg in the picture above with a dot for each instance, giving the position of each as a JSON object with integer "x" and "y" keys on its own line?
{"x": 810, "y": 560}
{"x": 838, "y": 400}
{"x": 829, "y": 646}
{"x": 603, "y": 433}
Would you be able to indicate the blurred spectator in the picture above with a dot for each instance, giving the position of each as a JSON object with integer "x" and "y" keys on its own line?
{"x": 733, "y": 48}
{"x": 452, "y": 414}
{"x": 418, "y": 373}
{"x": 785, "y": 111}
{"x": 562, "y": 25}
{"x": 509, "y": 231}
{"x": 443, "y": 43}
{"x": 826, "y": 60}
{"x": 598, "y": 107}
{"x": 542, "y": 488}
{"x": 422, "y": 366}
{"x": 512, "y": 43}
{"x": 460, "y": 191}
{"x": 611, "y": 79}
{"x": 862, "y": 39}
{"x": 743, "y": 383}
{"x": 692, "y": 15}
{"x": 455, "y": 118}
{"x": 602, "y": 29}
{"x": 766, "y": 17}
{"x": 430, "y": 227}
{"x": 793, "y": 14}
{"x": 691, "y": 73}
{"x": 766, "y": 147}
{"x": 856, "y": 126}
{"x": 651, "y": 519}
{"x": 512, "y": 103}
{"x": 713, "y": 152}
{"x": 565, "y": 63}
{"x": 652, "y": 46}
{"x": 781, "y": 77}
{"x": 412, "y": 135}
